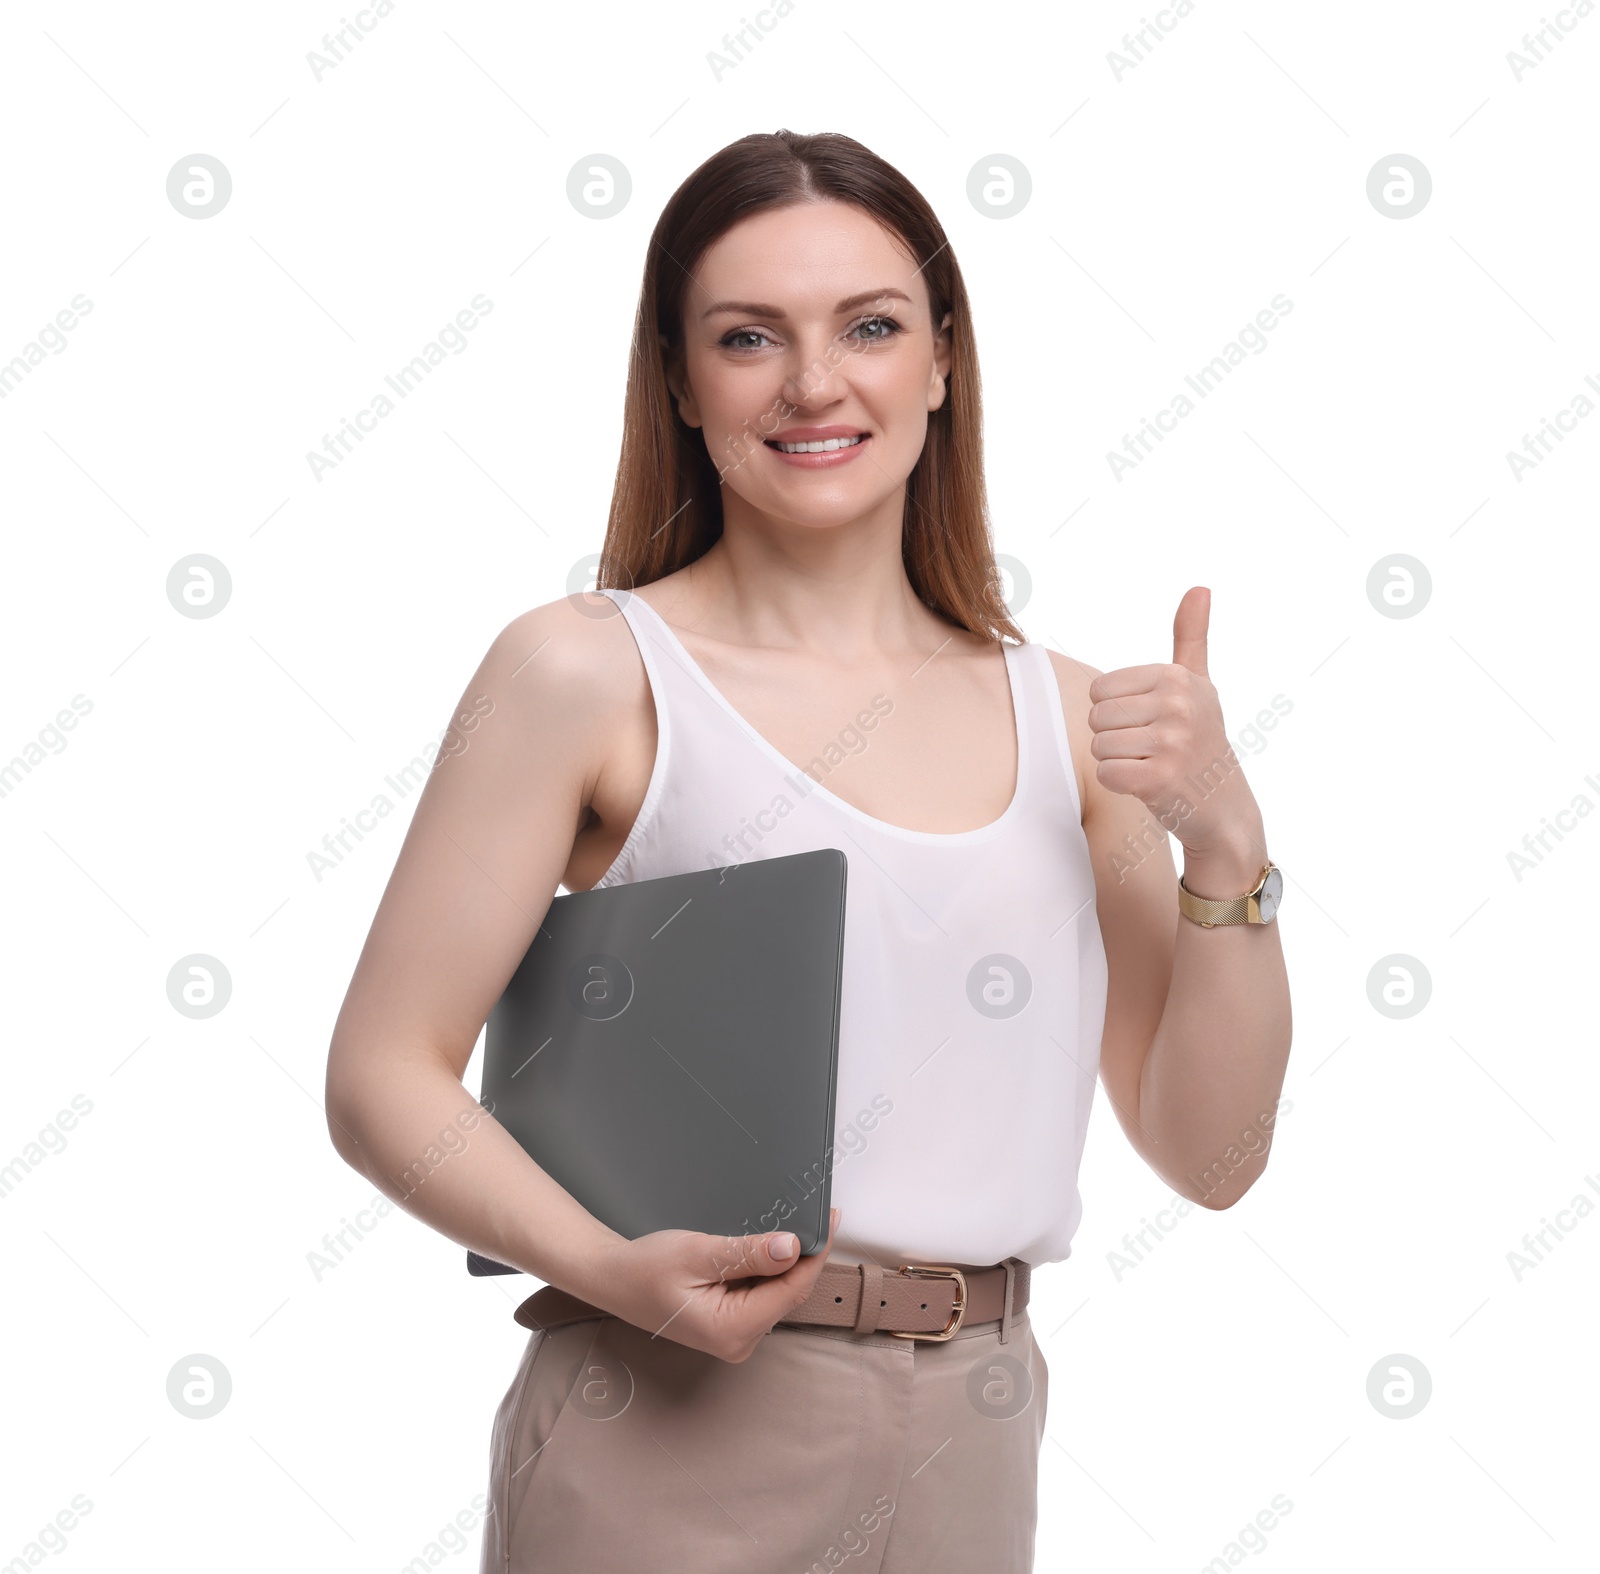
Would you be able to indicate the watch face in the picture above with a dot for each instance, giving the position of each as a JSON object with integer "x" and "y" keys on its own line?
{"x": 1271, "y": 895}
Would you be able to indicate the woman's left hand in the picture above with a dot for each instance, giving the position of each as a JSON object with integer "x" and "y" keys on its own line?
{"x": 1158, "y": 736}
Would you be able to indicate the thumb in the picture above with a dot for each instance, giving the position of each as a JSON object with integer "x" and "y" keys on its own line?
{"x": 778, "y": 1251}
{"x": 1189, "y": 630}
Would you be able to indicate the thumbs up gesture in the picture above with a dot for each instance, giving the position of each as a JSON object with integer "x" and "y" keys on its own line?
{"x": 1158, "y": 736}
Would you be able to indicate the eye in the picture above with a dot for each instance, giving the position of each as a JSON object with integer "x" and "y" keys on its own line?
{"x": 870, "y": 330}
{"x": 878, "y": 322}
{"x": 727, "y": 340}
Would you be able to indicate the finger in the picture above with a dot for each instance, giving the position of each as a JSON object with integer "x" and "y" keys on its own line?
{"x": 1131, "y": 710}
{"x": 772, "y": 1298}
{"x": 809, "y": 1269}
{"x": 1189, "y": 630}
{"x": 752, "y": 1256}
{"x": 1124, "y": 743}
{"x": 1132, "y": 777}
{"x": 764, "y": 1256}
{"x": 1127, "y": 680}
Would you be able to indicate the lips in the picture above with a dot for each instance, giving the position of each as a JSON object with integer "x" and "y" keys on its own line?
{"x": 824, "y": 448}
{"x": 805, "y": 443}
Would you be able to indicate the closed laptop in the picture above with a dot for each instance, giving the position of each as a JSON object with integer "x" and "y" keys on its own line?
{"x": 667, "y": 1050}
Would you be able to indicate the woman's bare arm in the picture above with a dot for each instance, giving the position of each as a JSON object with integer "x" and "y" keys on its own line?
{"x": 491, "y": 836}
{"x": 1198, "y": 1022}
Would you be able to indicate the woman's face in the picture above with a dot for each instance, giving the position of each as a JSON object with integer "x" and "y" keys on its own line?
{"x": 811, "y": 323}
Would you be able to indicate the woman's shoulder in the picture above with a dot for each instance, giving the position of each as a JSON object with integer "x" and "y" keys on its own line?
{"x": 1073, "y": 678}
{"x": 572, "y": 655}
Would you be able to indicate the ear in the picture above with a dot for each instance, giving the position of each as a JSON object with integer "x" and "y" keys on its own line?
{"x": 939, "y": 382}
{"x": 679, "y": 385}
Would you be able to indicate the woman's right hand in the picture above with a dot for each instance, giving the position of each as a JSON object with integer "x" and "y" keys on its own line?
{"x": 717, "y": 1293}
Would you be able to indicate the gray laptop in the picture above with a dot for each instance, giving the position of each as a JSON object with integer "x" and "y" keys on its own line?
{"x": 668, "y": 1050}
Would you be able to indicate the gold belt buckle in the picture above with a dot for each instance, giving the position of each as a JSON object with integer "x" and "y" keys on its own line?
{"x": 958, "y": 1311}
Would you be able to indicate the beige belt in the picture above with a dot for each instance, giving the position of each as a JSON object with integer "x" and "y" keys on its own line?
{"x": 913, "y": 1301}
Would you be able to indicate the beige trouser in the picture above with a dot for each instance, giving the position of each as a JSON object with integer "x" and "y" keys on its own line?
{"x": 614, "y": 1451}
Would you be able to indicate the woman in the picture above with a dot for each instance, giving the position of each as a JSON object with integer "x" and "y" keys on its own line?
{"x": 802, "y": 643}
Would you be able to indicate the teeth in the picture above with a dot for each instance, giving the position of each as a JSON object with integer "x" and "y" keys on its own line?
{"x": 826, "y": 447}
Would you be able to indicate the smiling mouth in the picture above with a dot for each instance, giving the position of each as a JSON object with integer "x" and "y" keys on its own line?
{"x": 825, "y": 446}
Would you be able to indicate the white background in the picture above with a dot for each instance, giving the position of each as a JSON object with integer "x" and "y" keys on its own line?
{"x": 1167, "y": 209}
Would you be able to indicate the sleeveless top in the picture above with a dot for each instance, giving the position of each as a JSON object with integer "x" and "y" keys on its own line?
{"x": 973, "y": 991}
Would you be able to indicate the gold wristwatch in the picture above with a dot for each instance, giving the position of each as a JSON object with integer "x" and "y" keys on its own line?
{"x": 1259, "y": 906}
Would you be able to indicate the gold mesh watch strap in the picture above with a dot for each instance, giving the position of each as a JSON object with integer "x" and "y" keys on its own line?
{"x": 1209, "y": 911}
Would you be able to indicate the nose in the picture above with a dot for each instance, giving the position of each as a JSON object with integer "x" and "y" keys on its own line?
{"x": 816, "y": 379}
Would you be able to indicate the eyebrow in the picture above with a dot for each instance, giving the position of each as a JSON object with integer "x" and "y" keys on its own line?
{"x": 762, "y": 309}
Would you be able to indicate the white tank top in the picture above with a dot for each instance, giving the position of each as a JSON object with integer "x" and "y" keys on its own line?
{"x": 974, "y": 983}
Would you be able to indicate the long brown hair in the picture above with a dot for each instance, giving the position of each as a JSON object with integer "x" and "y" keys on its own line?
{"x": 666, "y": 506}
